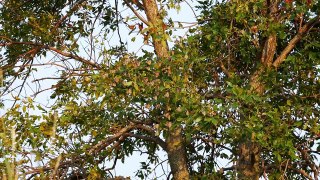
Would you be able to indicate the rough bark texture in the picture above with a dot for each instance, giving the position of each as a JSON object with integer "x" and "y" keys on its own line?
{"x": 269, "y": 50}
{"x": 177, "y": 154}
{"x": 175, "y": 141}
{"x": 249, "y": 161}
{"x": 156, "y": 28}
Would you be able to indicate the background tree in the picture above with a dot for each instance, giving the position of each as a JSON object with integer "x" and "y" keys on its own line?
{"x": 242, "y": 85}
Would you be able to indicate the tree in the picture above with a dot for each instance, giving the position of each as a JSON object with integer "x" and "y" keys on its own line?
{"x": 242, "y": 85}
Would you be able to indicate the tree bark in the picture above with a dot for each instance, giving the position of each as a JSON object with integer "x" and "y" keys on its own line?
{"x": 156, "y": 28}
{"x": 249, "y": 161}
{"x": 177, "y": 154}
{"x": 175, "y": 141}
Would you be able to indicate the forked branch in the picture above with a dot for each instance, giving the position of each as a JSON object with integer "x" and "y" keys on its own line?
{"x": 295, "y": 40}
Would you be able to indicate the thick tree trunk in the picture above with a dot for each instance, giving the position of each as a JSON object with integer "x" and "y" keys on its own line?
{"x": 175, "y": 141}
{"x": 177, "y": 154}
{"x": 249, "y": 151}
{"x": 248, "y": 164}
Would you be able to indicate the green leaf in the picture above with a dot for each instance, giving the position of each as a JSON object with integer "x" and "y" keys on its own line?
{"x": 288, "y": 102}
{"x": 127, "y": 83}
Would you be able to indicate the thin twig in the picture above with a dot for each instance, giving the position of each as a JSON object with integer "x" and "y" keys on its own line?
{"x": 136, "y": 13}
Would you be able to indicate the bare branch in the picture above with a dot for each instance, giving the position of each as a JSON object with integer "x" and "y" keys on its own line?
{"x": 74, "y": 56}
{"x": 39, "y": 46}
{"x": 72, "y": 10}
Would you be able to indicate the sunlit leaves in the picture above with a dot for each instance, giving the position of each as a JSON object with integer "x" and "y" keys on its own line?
{"x": 205, "y": 86}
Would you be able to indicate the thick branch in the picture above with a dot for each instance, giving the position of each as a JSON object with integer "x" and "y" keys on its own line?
{"x": 295, "y": 40}
{"x": 269, "y": 50}
{"x": 305, "y": 156}
{"x": 157, "y": 140}
{"x": 136, "y": 13}
{"x": 122, "y": 132}
{"x": 109, "y": 140}
{"x": 270, "y": 45}
{"x": 156, "y": 28}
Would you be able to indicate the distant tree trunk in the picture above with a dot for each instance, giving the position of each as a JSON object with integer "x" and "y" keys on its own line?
{"x": 175, "y": 141}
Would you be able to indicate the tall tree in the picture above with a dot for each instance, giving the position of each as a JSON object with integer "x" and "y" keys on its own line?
{"x": 242, "y": 85}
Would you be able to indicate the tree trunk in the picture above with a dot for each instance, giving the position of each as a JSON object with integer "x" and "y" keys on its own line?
{"x": 156, "y": 28}
{"x": 175, "y": 141}
{"x": 248, "y": 163}
{"x": 177, "y": 154}
{"x": 249, "y": 151}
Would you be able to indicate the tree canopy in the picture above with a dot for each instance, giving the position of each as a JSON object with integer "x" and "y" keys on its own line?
{"x": 242, "y": 85}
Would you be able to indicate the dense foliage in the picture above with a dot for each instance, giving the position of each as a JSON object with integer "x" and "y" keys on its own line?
{"x": 243, "y": 85}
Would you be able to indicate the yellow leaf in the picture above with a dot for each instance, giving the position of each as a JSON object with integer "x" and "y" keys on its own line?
{"x": 136, "y": 87}
{"x": 127, "y": 83}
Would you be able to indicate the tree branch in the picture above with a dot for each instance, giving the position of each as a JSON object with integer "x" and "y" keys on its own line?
{"x": 136, "y": 13}
{"x": 155, "y": 139}
{"x": 156, "y": 28}
{"x": 73, "y": 9}
{"x": 74, "y": 56}
{"x": 292, "y": 167}
{"x": 295, "y": 40}
{"x": 39, "y": 46}
{"x": 122, "y": 132}
{"x": 109, "y": 140}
